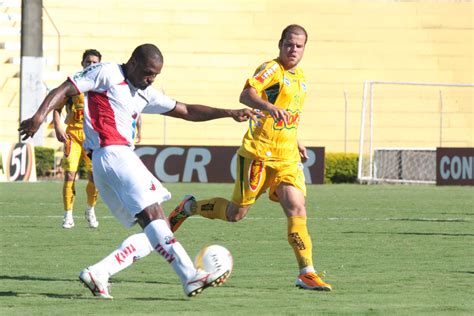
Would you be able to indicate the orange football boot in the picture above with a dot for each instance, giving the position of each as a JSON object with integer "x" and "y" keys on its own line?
{"x": 312, "y": 281}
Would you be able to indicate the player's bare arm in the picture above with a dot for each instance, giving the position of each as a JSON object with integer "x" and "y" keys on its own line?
{"x": 250, "y": 98}
{"x": 54, "y": 100}
{"x": 138, "y": 137}
{"x": 58, "y": 128}
{"x": 199, "y": 113}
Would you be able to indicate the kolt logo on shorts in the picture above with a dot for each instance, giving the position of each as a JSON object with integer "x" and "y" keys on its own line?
{"x": 256, "y": 169}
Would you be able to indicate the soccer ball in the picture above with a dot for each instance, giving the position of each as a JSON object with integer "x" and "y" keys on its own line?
{"x": 213, "y": 259}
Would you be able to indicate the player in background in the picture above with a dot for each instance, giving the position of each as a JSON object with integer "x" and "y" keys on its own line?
{"x": 73, "y": 138}
{"x": 116, "y": 95}
{"x": 270, "y": 155}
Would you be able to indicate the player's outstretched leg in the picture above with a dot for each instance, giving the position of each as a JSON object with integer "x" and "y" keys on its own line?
{"x": 181, "y": 212}
{"x": 194, "y": 280}
{"x": 96, "y": 277}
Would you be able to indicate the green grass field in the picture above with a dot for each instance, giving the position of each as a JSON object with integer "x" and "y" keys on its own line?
{"x": 405, "y": 250}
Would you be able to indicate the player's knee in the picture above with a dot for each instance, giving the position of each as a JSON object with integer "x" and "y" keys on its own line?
{"x": 69, "y": 176}
{"x": 234, "y": 217}
{"x": 235, "y": 214}
{"x": 149, "y": 214}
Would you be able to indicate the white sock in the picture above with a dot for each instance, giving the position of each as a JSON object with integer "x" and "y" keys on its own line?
{"x": 190, "y": 207}
{"x": 163, "y": 241}
{"x": 132, "y": 249}
{"x": 68, "y": 214}
{"x": 90, "y": 210}
{"x": 307, "y": 269}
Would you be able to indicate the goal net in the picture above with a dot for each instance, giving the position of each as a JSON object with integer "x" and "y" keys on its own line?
{"x": 402, "y": 123}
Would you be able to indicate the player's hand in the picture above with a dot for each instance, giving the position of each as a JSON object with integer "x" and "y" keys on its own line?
{"x": 245, "y": 114}
{"x": 61, "y": 135}
{"x": 28, "y": 128}
{"x": 279, "y": 114}
{"x": 138, "y": 138}
{"x": 303, "y": 152}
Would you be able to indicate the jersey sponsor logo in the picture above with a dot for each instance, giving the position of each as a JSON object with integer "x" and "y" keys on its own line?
{"x": 255, "y": 174}
{"x": 270, "y": 71}
{"x": 293, "y": 122}
{"x": 286, "y": 81}
{"x": 152, "y": 187}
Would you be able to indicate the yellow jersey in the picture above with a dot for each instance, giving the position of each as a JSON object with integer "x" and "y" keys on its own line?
{"x": 75, "y": 111}
{"x": 270, "y": 140}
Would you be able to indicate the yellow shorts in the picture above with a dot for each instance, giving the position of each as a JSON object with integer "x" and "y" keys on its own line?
{"x": 74, "y": 152}
{"x": 255, "y": 177}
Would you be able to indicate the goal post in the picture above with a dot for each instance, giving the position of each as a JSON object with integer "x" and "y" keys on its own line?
{"x": 402, "y": 123}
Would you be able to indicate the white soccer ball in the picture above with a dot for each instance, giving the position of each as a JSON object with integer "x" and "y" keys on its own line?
{"x": 214, "y": 258}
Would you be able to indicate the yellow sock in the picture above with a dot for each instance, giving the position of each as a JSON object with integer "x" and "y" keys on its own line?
{"x": 91, "y": 193}
{"x": 214, "y": 208}
{"x": 68, "y": 194}
{"x": 300, "y": 240}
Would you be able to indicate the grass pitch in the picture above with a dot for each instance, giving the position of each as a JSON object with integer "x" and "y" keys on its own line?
{"x": 405, "y": 250}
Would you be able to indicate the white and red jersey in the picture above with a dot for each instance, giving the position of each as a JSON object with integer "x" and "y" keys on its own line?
{"x": 113, "y": 105}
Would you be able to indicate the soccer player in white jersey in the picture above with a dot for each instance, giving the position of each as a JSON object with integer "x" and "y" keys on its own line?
{"x": 116, "y": 96}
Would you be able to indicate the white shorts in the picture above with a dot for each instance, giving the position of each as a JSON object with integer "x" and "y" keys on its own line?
{"x": 124, "y": 183}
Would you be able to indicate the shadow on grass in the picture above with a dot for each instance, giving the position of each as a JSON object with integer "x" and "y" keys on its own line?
{"x": 412, "y": 233}
{"x": 50, "y": 295}
{"x": 75, "y": 296}
{"x": 50, "y": 279}
{"x": 467, "y": 272}
{"x": 33, "y": 278}
{"x": 83, "y": 297}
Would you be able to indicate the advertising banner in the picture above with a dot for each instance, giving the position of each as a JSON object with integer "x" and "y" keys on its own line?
{"x": 18, "y": 162}
{"x": 211, "y": 164}
{"x": 454, "y": 166}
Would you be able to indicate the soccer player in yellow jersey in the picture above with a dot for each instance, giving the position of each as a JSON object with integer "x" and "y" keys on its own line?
{"x": 73, "y": 137}
{"x": 270, "y": 155}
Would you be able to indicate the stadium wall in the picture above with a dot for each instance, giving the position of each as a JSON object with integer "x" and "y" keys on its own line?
{"x": 211, "y": 47}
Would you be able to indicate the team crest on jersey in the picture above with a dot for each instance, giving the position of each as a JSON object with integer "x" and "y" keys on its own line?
{"x": 255, "y": 174}
{"x": 262, "y": 76}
